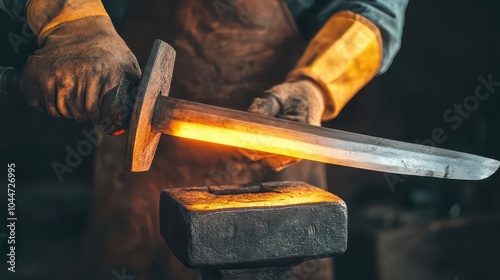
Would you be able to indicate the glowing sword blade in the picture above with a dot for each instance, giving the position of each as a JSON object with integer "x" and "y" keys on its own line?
{"x": 245, "y": 130}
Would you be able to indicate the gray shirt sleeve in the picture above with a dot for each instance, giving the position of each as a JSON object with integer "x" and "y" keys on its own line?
{"x": 14, "y": 8}
{"x": 387, "y": 15}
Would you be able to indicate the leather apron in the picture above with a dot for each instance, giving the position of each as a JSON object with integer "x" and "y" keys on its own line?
{"x": 228, "y": 53}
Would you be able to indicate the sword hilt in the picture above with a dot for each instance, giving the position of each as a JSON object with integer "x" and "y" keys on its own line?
{"x": 10, "y": 85}
{"x": 9, "y": 81}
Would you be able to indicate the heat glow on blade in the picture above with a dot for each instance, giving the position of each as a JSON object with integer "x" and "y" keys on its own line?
{"x": 275, "y": 144}
{"x": 337, "y": 147}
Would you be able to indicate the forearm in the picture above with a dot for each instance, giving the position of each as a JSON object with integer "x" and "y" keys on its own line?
{"x": 387, "y": 15}
{"x": 44, "y": 15}
{"x": 352, "y": 41}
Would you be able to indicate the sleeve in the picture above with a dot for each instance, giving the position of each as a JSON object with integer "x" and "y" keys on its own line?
{"x": 14, "y": 8}
{"x": 387, "y": 15}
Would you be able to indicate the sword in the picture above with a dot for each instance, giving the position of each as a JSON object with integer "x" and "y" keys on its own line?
{"x": 156, "y": 113}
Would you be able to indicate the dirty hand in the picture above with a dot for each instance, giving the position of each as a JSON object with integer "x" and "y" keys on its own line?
{"x": 79, "y": 62}
{"x": 300, "y": 101}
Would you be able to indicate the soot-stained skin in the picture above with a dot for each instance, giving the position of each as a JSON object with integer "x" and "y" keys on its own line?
{"x": 69, "y": 75}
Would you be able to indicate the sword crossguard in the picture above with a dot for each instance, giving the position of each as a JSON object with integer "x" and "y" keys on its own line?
{"x": 156, "y": 79}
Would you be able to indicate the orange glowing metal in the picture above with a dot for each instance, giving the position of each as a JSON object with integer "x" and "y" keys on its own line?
{"x": 243, "y": 137}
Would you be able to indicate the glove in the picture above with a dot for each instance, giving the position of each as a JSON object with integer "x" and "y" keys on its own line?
{"x": 341, "y": 59}
{"x": 300, "y": 101}
{"x": 81, "y": 59}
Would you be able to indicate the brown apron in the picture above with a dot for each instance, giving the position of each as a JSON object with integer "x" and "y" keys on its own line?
{"x": 225, "y": 58}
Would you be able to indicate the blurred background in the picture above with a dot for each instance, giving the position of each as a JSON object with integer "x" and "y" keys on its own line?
{"x": 400, "y": 227}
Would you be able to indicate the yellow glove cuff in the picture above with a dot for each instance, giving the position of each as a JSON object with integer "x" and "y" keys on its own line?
{"x": 342, "y": 58}
{"x": 43, "y": 15}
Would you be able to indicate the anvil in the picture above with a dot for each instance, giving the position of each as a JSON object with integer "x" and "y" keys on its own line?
{"x": 254, "y": 231}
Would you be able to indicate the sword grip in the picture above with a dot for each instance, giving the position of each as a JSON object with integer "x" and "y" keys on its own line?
{"x": 116, "y": 108}
{"x": 113, "y": 101}
{"x": 9, "y": 81}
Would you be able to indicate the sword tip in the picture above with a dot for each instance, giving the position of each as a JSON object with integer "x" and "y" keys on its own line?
{"x": 490, "y": 167}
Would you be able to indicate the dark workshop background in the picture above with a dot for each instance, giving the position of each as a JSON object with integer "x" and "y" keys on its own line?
{"x": 400, "y": 227}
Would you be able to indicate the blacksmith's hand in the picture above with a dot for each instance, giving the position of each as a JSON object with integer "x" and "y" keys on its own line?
{"x": 81, "y": 59}
{"x": 341, "y": 58}
{"x": 300, "y": 101}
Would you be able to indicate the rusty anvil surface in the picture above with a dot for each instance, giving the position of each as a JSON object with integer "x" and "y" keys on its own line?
{"x": 253, "y": 231}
